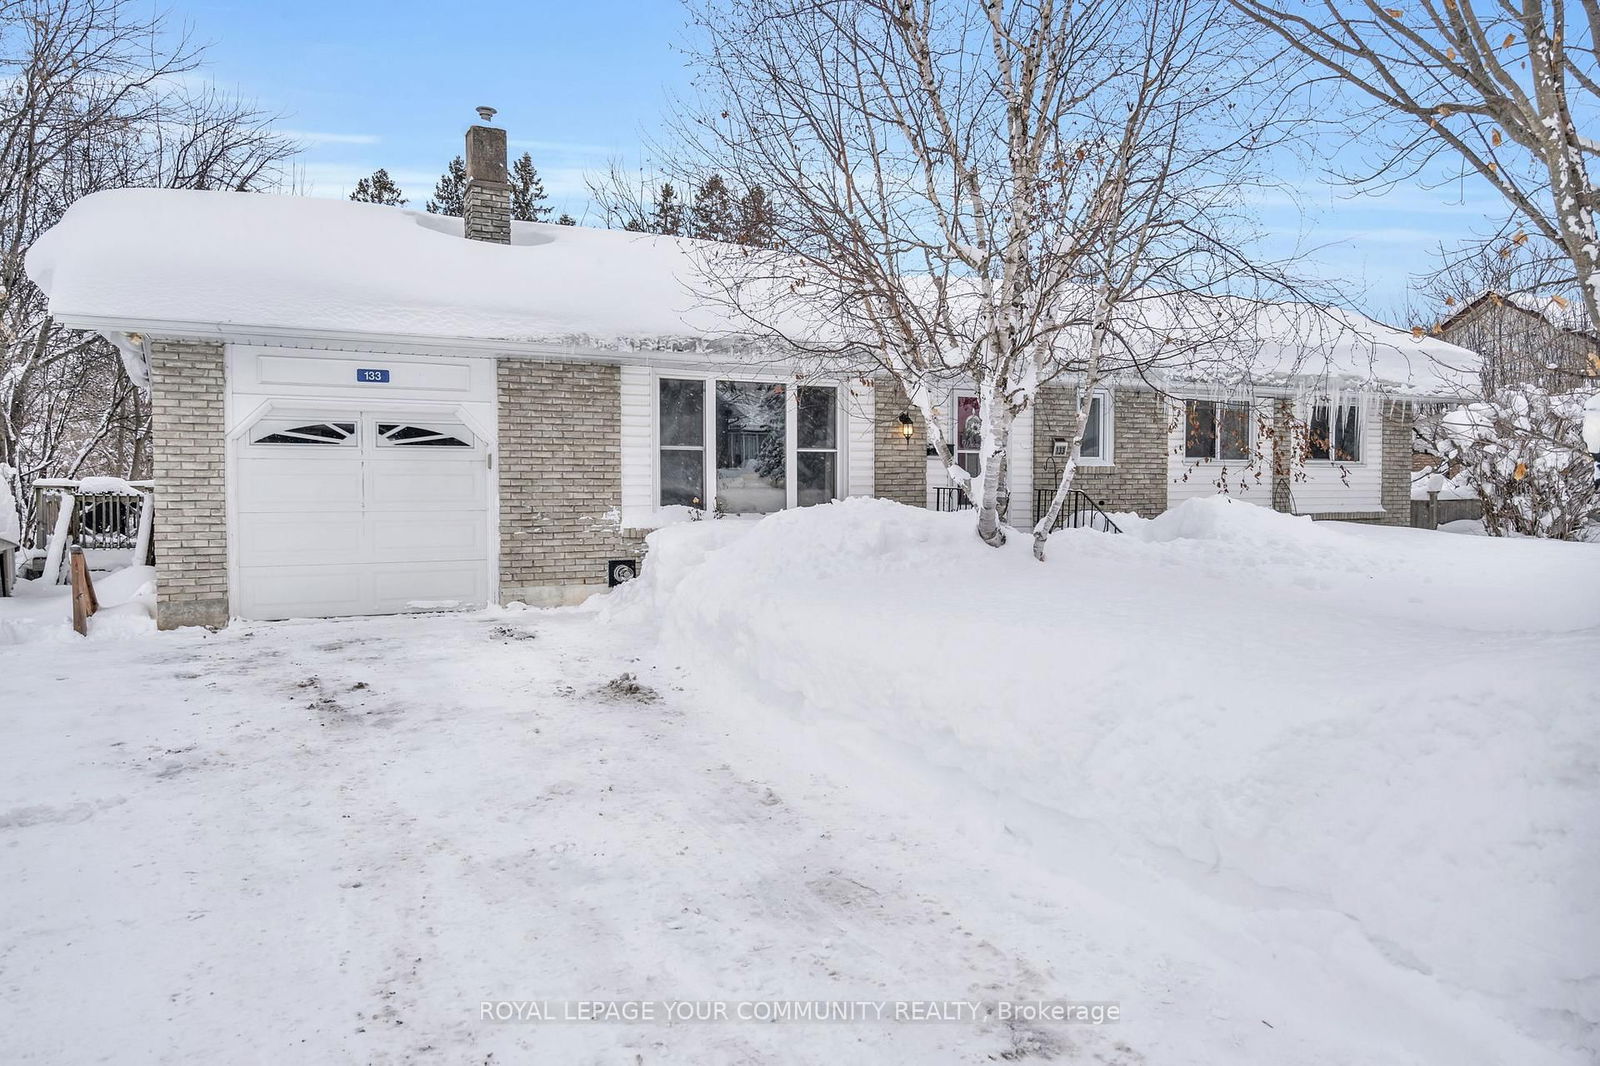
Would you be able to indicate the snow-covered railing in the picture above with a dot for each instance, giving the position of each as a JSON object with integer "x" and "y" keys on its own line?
{"x": 94, "y": 513}
{"x": 1079, "y": 511}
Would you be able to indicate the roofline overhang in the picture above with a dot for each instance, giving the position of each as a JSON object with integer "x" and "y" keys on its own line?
{"x": 117, "y": 328}
{"x": 398, "y": 343}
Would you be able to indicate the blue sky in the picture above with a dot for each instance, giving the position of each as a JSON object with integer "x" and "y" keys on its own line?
{"x": 577, "y": 83}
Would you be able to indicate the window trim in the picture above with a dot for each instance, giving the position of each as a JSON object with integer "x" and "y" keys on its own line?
{"x": 1309, "y": 411}
{"x": 708, "y": 382}
{"x": 837, "y": 451}
{"x": 1218, "y": 404}
{"x": 956, "y": 451}
{"x": 1108, "y": 430}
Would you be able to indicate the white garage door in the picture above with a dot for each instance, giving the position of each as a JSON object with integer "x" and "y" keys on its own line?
{"x": 361, "y": 513}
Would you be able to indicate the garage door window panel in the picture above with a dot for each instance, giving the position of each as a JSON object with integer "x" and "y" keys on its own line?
{"x": 298, "y": 432}
{"x": 409, "y": 435}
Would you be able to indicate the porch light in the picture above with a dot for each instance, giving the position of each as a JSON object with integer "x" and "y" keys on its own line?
{"x": 907, "y": 427}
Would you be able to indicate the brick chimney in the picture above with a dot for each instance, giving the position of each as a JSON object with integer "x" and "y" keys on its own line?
{"x": 486, "y": 208}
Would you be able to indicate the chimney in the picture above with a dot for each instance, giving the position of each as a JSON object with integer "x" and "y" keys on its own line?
{"x": 486, "y": 208}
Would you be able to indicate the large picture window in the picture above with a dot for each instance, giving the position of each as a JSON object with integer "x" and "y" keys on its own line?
{"x": 746, "y": 447}
{"x": 1214, "y": 429}
{"x": 1340, "y": 442}
{"x": 751, "y": 460}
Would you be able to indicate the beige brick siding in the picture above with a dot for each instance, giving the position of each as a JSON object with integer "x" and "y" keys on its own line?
{"x": 1399, "y": 421}
{"x": 189, "y": 449}
{"x": 1137, "y": 479}
{"x": 900, "y": 466}
{"x": 560, "y": 479}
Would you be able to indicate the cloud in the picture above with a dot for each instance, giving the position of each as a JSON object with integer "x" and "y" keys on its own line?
{"x": 313, "y": 137}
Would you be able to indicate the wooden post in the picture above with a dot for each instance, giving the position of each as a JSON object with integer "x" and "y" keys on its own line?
{"x": 84, "y": 601}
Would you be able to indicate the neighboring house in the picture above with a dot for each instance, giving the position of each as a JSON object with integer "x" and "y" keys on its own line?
{"x": 360, "y": 410}
{"x": 1523, "y": 339}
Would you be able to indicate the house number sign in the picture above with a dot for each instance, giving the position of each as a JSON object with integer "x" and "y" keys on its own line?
{"x": 372, "y": 377}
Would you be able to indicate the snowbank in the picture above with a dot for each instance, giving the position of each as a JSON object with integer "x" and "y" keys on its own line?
{"x": 1334, "y": 728}
{"x": 43, "y": 611}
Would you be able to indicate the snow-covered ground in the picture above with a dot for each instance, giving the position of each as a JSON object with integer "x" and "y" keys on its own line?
{"x": 1286, "y": 794}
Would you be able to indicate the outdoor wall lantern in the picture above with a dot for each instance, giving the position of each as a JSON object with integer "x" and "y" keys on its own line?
{"x": 907, "y": 427}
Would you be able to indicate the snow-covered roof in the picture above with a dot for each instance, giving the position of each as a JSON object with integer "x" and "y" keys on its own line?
{"x": 1564, "y": 314}
{"x": 249, "y": 260}
{"x": 1300, "y": 346}
{"x": 246, "y": 264}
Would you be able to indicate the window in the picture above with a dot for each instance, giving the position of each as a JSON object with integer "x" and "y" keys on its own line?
{"x": 747, "y": 447}
{"x": 816, "y": 461}
{"x": 1214, "y": 429}
{"x": 1343, "y": 445}
{"x": 1096, "y": 446}
{"x": 423, "y": 436}
{"x": 969, "y": 434}
{"x": 683, "y": 443}
{"x": 751, "y": 427}
{"x": 281, "y": 431}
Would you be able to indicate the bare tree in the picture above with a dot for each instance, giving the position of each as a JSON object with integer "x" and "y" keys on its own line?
{"x": 95, "y": 100}
{"x": 994, "y": 193}
{"x": 1498, "y": 89}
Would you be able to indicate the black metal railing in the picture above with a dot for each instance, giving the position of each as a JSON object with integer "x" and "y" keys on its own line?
{"x": 1078, "y": 511}
{"x": 951, "y": 498}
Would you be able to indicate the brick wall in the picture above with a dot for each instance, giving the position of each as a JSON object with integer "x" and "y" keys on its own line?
{"x": 560, "y": 480}
{"x": 1137, "y": 479}
{"x": 900, "y": 466}
{"x": 1398, "y": 422}
{"x": 188, "y": 449}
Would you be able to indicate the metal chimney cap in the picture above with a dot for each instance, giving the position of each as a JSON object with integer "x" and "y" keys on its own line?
{"x": 486, "y": 113}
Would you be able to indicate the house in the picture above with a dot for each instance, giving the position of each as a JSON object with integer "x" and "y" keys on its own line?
{"x": 1525, "y": 339}
{"x": 359, "y": 409}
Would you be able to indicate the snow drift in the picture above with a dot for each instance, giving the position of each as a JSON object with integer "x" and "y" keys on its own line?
{"x": 1336, "y": 730}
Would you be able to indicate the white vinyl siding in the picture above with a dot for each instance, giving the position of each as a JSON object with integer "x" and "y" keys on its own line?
{"x": 638, "y": 444}
{"x": 1021, "y": 463}
{"x": 1324, "y": 488}
{"x": 860, "y": 420}
{"x": 1354, "y": 487}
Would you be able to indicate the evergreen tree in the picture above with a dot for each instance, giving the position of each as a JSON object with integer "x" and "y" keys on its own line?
{"x": 450, "y": 194}
{"x": 755, "y": 219}
{"x": 527, "y": 192}
{"x": 378, "y": 189}
{"x": 667, "y": 217}
{"x": 566, "y": 220}
{"x": 713, "y": 217}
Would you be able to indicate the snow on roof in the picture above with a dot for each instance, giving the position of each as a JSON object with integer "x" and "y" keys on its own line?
{"x": 251, "y": 263}
{"x": 252, "y": 260}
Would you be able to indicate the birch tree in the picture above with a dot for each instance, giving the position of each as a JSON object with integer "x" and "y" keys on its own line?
{"x": 982, "y": 192}
{"x": 1502, "y": 89}
{"x": 96, "y": 99}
